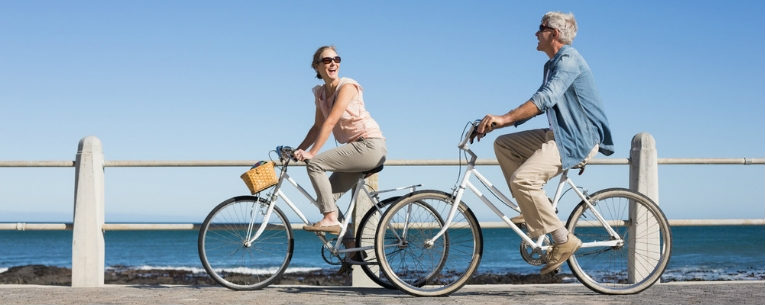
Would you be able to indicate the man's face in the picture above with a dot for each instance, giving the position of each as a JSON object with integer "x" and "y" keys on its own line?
{"x": 545, "y": 37}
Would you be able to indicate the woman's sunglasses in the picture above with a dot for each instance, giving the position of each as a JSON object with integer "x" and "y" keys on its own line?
{"x": 327, "y": 60}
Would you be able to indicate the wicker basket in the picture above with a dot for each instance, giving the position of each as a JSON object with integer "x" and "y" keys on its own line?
{"x": 260, "y": 177}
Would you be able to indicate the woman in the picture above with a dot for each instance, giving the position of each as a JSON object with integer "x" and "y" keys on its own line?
{"x": 339, "y": 110}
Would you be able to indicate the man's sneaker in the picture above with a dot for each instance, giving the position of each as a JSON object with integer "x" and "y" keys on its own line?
{"x": 560, "y": 253}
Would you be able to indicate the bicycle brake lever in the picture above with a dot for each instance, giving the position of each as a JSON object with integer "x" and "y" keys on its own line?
{"x": 475, "y": 132}
{"x": 285, "y": 152}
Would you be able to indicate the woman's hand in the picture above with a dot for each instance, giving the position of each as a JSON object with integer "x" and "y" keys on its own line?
{"x": 302, "y": 155}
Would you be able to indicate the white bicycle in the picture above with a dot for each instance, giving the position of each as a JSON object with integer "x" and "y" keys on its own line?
{"x": 246, "y": 242}
{"x": 626, "y": 238}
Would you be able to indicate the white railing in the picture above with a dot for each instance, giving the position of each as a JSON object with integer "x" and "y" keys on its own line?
{"x": 34, "y": 226}
{"x": 88, "y": 225}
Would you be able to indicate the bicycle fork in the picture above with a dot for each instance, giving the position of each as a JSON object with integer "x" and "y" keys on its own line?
{"x": 262, "y": 227}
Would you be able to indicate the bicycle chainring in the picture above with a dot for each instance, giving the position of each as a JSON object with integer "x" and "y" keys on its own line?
{"x": 532, "y": 255}
{"x": 328, "y": 256}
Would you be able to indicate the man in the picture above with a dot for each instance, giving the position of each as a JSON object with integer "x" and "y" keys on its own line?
{"x": 578, "y": 130}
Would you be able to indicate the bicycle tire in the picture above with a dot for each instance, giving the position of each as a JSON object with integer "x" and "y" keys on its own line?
{"x": 421, "y": 269}
{"x": 223, "y": 250}
{"x": 365, "y": 237}
{"x": 647, "y": 242}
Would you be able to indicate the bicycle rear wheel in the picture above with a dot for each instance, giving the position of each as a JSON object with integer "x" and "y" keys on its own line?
{"x": 633, "y": 265}
{"x": 417, "y": 265}
{"x": 365, "y": 238}
{"x": 224, "y": 247}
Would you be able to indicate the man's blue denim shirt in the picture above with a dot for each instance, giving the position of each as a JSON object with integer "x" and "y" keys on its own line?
{"x": 573, "y": 107}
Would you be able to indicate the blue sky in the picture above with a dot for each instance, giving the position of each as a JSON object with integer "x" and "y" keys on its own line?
{"x": 188, "y": 80}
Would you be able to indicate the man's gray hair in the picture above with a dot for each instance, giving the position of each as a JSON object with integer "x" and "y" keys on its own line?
{"x": 564, "y": 23}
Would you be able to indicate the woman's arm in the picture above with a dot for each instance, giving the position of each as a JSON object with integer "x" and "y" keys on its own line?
{"x": 310, "y": 138}
{"x": 344, "y": 97}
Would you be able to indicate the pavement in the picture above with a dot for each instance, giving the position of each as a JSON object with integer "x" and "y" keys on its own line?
{"x": 727, "y": 292}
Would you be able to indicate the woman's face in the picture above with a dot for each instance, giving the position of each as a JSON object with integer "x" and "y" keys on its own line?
{"x": 328, "y": 71}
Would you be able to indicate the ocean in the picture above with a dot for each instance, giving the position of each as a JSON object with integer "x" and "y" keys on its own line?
{"x": 699, "y": 253}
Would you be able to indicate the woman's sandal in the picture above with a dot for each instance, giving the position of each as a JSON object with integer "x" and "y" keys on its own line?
{"x": 334, "y": 229}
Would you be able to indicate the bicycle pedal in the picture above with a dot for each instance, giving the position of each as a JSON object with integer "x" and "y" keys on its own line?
{"x": 345, "y": 269}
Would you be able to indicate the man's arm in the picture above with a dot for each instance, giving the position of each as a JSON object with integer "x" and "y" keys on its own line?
{"x": 490, "y": 122}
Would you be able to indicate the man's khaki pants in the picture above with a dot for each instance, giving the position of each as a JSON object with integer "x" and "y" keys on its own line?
{"x": 528, "y": 160}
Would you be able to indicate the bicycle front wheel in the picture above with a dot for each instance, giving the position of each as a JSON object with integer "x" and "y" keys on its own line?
{"x": 227, "y": 251}
{"x": 630, "y": 262}
{"x": 415, "y": 262}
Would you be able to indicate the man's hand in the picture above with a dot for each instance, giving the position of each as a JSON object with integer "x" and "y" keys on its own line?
{"x": 487, "y": 124}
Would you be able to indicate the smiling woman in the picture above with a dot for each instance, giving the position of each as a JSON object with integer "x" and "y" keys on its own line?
{"x": 161, "y": 80}
{"x": 339, "y": 110}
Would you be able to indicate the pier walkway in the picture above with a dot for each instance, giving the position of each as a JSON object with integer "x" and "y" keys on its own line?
{"x": 727, "y": 292}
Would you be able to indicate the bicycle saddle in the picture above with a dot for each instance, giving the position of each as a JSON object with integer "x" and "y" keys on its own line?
{"x": 373, "y": 171}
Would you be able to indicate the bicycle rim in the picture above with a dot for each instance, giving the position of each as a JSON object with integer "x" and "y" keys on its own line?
{"x": 428, "y": 269}
{"x": 636, "y": 264}
{"x": 365, "y": 238}
{"x": 223, "y": 250}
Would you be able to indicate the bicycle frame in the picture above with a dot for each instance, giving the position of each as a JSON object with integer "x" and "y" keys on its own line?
{"x": 539, "y": 243}
{"x": 277, "y": 193}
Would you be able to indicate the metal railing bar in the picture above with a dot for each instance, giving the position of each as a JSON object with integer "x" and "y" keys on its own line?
{"x": 36, "y": 163}
{"x": 444, "y": 162}
{"x": 722, "y": 161}
{"x": 20, "y": 226}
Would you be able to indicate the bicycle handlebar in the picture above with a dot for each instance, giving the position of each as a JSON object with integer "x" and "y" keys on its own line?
{"x": 473, "y": 132}
{"x": 285, "y": 153}
{"x": 470, "y": 134}
{"x": 474, "y": 129}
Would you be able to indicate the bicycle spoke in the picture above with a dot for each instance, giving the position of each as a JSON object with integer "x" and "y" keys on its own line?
{"x": 419, "y": 264}
{"x": 645, "y": 243}
{"x": 225, "y": 254}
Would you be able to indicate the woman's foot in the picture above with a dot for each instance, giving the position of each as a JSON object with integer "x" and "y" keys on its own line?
{"x": 319, "y": 227}
{"x": 328, "y": 224}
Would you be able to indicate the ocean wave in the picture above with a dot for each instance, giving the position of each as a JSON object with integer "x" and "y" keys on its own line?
{"x": 164, "y": 268}
{"x": 197, "y": 270}
{"x": 3, "y": 270}
{"x": 244, "y": 270}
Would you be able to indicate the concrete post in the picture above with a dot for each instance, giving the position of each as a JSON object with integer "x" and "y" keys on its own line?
{"x": 358, "y": 277}
{"x": 87, "y": 234}
{"x": 644, "y": 178}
